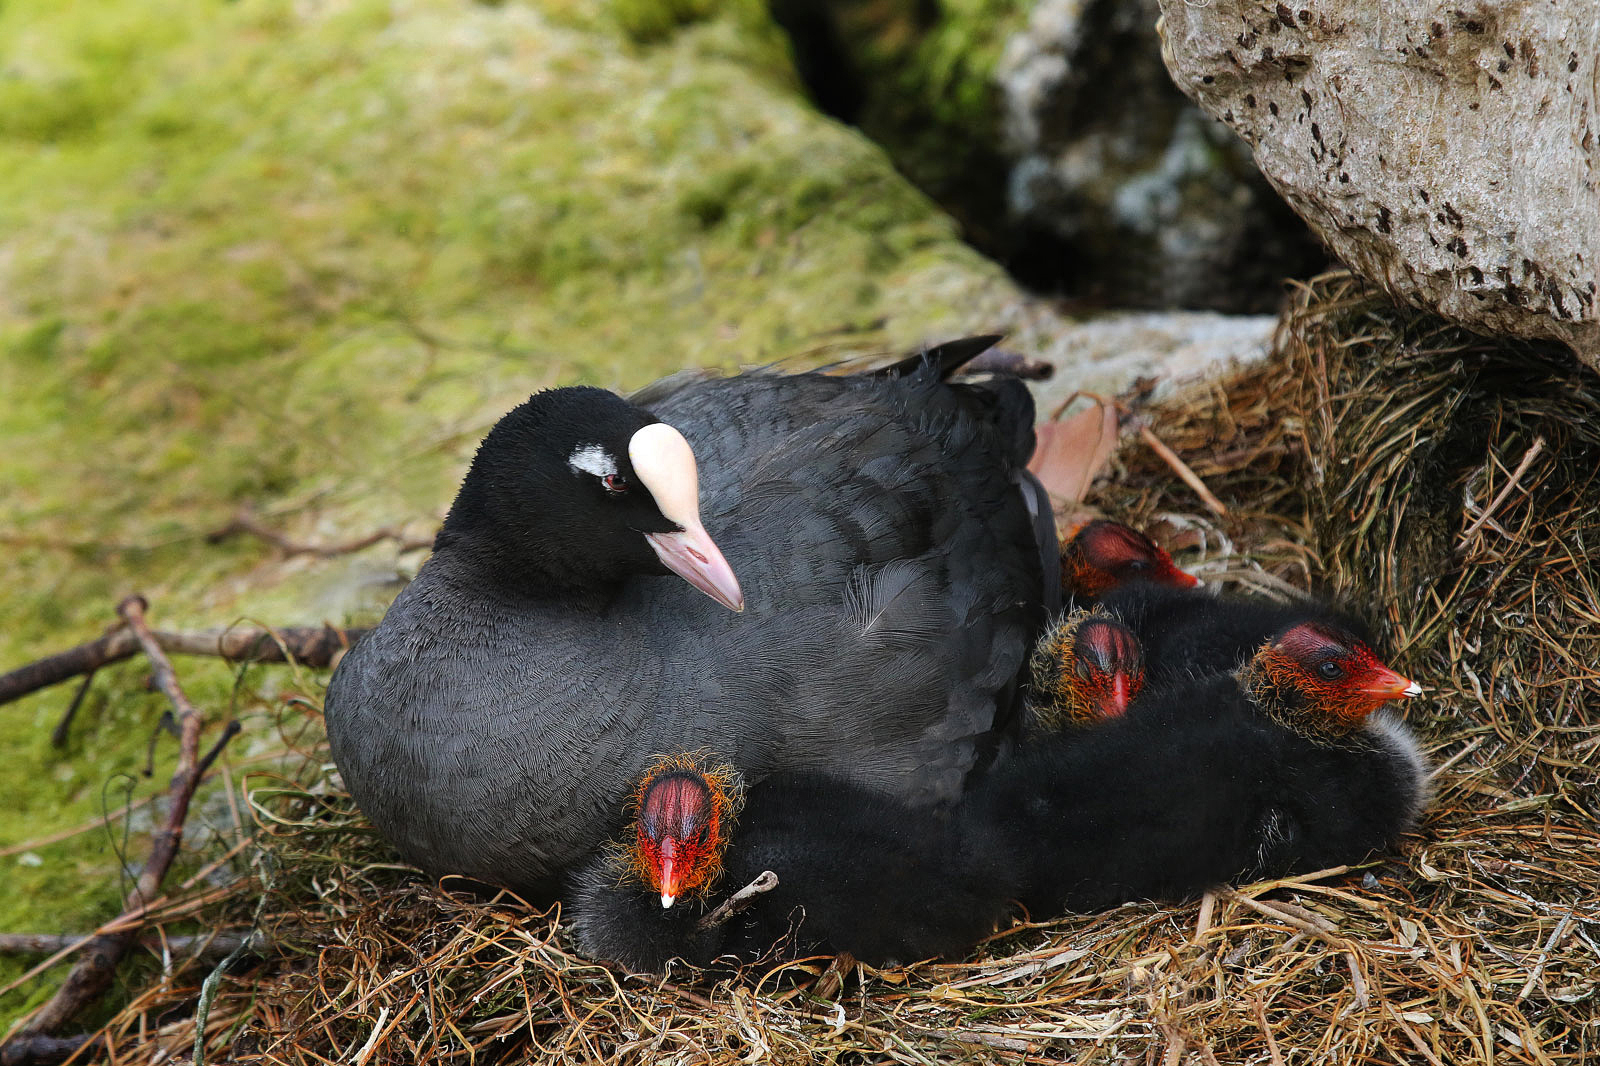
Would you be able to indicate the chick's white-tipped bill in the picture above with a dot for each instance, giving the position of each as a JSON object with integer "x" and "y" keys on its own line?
{"x": 1388, "y": 685}
{"x": 669, "y": 873}
{"x": 664, "y": 464}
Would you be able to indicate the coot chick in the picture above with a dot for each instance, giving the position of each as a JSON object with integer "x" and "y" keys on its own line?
{"x": 886, "y": 558}
{"x": 1184, "y": 629}
{"x": 1102, "y": 554}
{"x": 1086, "y": 668}
{"x": 1288, "y": 766}
{"x": 1193, "y": 632}
{"x": 857, "y": 871}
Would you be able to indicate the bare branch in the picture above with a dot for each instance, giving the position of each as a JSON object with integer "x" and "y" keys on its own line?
{"x": 26, "y": 1050}
{"x": 98, "y": 960}
{"x": 58, "y": 736}
{"x": 310, "y": 645}
{"x": 205, "y": 946}
{"x": 245, "y": 522}
{"x": 764, "y": 883}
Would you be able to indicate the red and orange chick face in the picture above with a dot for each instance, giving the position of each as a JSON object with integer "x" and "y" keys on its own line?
{"x": 683, "y": 812}
{"x": 1086, "y": 668}
{"x": 1102, "y": 554}
{"x": 1321, "y": 678}
{"x": 1108, "y": 665}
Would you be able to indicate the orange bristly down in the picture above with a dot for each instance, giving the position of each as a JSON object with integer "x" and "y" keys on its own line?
{"x": 683, "y": 812}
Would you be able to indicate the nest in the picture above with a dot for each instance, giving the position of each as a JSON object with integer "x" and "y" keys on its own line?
{"x": 1377, "y": 457}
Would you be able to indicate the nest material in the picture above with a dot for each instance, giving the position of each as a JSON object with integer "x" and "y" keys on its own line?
{"x": 1384, "y": 461}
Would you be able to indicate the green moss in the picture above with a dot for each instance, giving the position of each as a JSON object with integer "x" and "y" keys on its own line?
{"x": 298, "y": 258}
{"x": 924, "y": 86}
{"x": 652, "y": 21}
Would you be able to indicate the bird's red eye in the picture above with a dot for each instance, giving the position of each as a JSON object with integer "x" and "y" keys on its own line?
{"x": 614, "y": 483}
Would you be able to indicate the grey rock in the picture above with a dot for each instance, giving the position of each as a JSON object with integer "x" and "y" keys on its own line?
{"x": 1107, "y": 354}
{"x": 1444, "y": 150}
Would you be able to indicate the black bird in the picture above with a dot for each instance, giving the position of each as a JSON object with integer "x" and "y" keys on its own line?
{"x": 857, "y": 871}
{"x": 1184, "y": 629}
{"x": 889, "y": 563}
{"x": 1192, "y": 632}
{"x": 1288, "y": 766}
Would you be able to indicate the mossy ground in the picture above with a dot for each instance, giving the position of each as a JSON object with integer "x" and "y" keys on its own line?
{"x": 298, "y": 256}
{"x": 919, "y": 79}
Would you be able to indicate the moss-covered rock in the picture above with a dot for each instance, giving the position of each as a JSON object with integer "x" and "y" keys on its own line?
{"x": 919, "y": 78}
{"x": 298, "y": 256}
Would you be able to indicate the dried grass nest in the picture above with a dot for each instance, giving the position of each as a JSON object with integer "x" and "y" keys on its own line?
{"x": 1376, "y": 456}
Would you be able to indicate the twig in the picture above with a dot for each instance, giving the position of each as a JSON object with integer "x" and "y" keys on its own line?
{"x": 973, "y": 1036}
{"x": 27, "y": 1050}
{"x": 765, "y": 882}
{"x": 831, "y": 981}
{"x": 229, "y": 731}
{"x": 1556, "y": 937}
{"x": 98, "y": 961}
{"x": 1279, "y": 913}
{"x": 245, "y": 522}
{"x": 58, "y": 735}
{"x": 1079, "y": 394}
{"x": 1266, "y": 1031}
{"x": 167, "y": 724}
{"x": 1505, "y": 490}
{"x": 1010, "y": 364}
{"x": 208, "y": 945}
{"x": 1181, "y": 468}
{"x": 1411, "y": 1034}
{"x": 310, "y": 645}
{"x": 1202, "y": 922}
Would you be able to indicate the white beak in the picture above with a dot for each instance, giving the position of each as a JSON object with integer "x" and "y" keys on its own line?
{"x": 664, "y": 464}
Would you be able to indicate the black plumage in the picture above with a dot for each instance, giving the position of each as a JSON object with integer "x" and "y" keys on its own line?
{"x": 1190, "y": 632}
{"x": 1212, "y": 780}
{"x": 857, "y": 872}
{"x": 891, "y": 575}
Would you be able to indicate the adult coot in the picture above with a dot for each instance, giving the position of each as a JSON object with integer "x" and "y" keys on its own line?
{"x": 891, "y": 571}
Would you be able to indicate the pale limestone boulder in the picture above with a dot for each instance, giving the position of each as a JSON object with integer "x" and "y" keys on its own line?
{"x": 1444, "y": 149}
{"x": 1107, "y": 354}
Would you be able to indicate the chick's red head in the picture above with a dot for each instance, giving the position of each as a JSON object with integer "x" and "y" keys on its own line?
{"x": 1108, "y": 666}
{"x": 1336, "y": 676}
{"x": 683, "y": 813}
{"x": 1102, "y": 554}
{"x": 1087, "y": 667}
